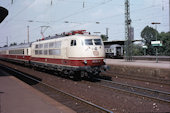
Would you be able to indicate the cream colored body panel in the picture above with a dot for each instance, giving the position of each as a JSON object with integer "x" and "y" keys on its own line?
{"x": 80, "y": 50}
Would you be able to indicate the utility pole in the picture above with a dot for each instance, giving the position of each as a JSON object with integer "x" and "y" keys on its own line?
{"x": 107, "y": 33}
{"x": 28, "y": 34}
{"x": 169, "y": 15}
{"x": 128, "y": 40}
{"x": 7, "y": 41}
{"x": 156, "y": 23}
{"x": 83, "y": 4}
{"x": 51, "y": 2}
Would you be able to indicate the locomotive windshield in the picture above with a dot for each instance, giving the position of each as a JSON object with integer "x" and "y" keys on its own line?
{"x": 97, "y": 42}
{"x": 88, "y": 42}
{"x": 93, "y": 42}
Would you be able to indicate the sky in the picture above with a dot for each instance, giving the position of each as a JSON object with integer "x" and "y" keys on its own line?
{"x": 91, "y": 15}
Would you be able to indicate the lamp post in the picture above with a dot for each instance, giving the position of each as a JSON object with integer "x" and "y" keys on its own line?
{"x": 156, "y": 23}
{"x": 28, "y": 34}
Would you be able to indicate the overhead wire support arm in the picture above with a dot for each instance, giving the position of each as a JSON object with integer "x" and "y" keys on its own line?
{"x": 43, "y": 30}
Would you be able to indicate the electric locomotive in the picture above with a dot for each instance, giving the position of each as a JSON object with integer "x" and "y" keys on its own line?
{"x": 74, "y": 54}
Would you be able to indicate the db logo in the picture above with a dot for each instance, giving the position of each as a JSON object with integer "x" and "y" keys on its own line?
{"x": 95, "y": 53}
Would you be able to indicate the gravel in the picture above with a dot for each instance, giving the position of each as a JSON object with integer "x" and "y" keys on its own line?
{"x": 118, "y": 102}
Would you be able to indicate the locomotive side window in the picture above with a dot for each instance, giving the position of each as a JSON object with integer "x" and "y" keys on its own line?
{"x": 97, "y": 42}
{"x": 88, "y": 42}
{"x": 73, "y": 43}
{"x": 41, "y": 46}
{"x": 58, "y": 44}
{"x": 45, "y": 52}
{"x": 51, "y": 45}
{"x": 36, "y": 52}
{"x": 40, "y": 52}
{"x": 54, "y": 52}
{"x": 46, "y": 45}
{"x": 36, "y": 46}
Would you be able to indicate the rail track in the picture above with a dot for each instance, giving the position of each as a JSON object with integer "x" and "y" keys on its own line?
{"x": 140, "y": 91}
{"x": 78, "y": 104}
{"x": 151, "y": 80}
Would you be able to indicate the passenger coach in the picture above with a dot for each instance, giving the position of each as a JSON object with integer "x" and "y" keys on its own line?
{"x": 19, "y": 53}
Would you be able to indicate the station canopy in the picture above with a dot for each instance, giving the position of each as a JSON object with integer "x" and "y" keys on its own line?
{"x": 120, "y": 42}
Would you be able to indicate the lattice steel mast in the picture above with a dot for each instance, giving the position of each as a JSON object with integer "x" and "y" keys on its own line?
{"x": 128, "y": 40}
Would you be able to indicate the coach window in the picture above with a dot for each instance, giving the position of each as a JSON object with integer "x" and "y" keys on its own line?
{"x": 73, "y": 43}
{"x": 111, "y": 50}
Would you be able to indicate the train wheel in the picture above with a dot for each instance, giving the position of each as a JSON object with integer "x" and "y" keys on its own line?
{"x": 83, "y": 74}
{"x": 77, "y": 76}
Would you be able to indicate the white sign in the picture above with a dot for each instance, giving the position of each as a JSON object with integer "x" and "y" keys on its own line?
{"x": 156, "y": 43}
{"x": 145, "y": 47}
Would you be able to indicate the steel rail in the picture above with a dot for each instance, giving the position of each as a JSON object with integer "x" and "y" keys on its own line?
{"x": 133, "y": 90}
{"x": 156, "y": 81}
{"x": 77, "y": 98}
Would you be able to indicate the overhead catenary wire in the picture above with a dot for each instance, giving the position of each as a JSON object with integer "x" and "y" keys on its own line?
{"x": 83, "y": 10}
{"x": 18, "y": 13}
{"x": 57, "y": 25}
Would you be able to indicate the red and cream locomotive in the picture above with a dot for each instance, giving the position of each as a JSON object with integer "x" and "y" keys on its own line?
{"x": 72, "y": 54}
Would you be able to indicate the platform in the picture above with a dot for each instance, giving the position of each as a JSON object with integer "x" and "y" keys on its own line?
{"x": 18, "y": 97}
{"x": 141, "y": 68}
{"x": 144, "y": 63}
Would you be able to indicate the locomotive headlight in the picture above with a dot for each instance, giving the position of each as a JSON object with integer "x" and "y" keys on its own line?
{"x": 85, "y": 62}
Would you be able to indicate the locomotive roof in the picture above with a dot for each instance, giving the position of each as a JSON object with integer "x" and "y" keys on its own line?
{"x": 50, "y": 38}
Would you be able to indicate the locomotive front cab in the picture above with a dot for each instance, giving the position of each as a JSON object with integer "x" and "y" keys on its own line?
{"x": 87, "y": 52}
{"x": 86, "y": 47}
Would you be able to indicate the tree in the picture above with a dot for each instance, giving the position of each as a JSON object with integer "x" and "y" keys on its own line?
{"x": 137, "y": 50}
{"x": 165, "y": 38}
{"x": 5, "y": 46}
{"x": 13, "y": 44}
{"x": 104, "y": 37}
{"x": 149, "y": 34}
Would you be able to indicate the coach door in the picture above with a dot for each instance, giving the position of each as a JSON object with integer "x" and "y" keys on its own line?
{"x": 118, "y": 51}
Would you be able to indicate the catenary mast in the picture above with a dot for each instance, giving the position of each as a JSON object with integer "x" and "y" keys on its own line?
{"x": 128, "y": 40}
